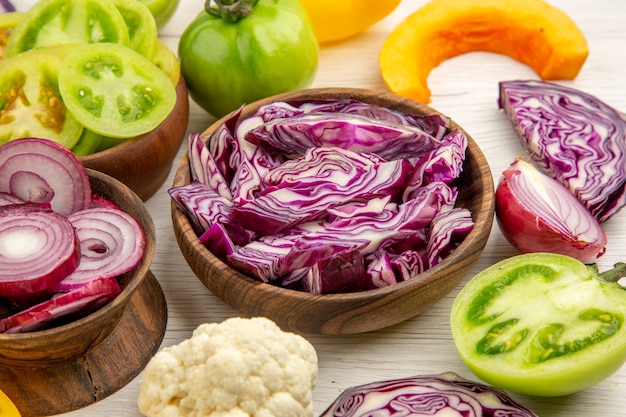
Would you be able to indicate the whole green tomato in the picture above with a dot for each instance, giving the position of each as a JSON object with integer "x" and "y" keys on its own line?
{"x": 238, "y": 53}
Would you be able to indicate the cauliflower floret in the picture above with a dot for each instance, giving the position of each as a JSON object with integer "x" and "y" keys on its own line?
{"x": 237, "y": 368}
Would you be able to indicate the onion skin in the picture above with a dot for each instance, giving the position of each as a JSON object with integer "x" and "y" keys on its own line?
{"x": 532, "y": 222}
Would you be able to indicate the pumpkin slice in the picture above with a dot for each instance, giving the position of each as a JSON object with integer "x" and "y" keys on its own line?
{"x": 532, "y": 32}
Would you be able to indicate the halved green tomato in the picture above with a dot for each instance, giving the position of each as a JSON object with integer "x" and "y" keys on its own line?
{"x": 541, "y": 324}
{"x": 30, "y": 102}
{"x": 115, "y": 91}
{"x": 166, "y": 60}
{"x": 52, "y": 22}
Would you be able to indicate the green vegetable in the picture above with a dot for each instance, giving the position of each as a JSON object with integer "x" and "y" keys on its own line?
{"x": 114, "y": 91}
{"x": 162, "y": 10}
{"x": 542, "y": 324}
{"x": 52, "y": 22}
{"x": 30, "y": 102}
{"x": 237, "y": 52}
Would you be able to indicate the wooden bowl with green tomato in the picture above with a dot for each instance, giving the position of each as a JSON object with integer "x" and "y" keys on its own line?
{"x": 354, "y": 238}
{"x": 113, "y": 93}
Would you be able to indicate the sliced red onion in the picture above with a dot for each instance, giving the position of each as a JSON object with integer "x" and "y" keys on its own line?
{"x": 42, "y": 171}
{"x": 38, "y": 248}
{"x": 77, "y": 303}
{"x": 538, "y": 214}
{"x": 6, "y": 199}
{"x": 111, "y": 243}
{"x": 445, "y": 394}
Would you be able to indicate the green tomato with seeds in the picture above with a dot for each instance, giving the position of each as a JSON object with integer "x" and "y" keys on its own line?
{"x": 247, "y": 51}
{"x": 542, "y": 324}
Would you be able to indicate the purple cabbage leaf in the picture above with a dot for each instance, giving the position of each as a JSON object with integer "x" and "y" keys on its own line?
{"x": 572, "y": 136}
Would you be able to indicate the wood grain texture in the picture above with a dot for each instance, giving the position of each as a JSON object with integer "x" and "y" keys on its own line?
{"x": 82, "y": 380}
{"x": 144, "y": 162}
{"x": 71, "y": 340}
{"x": 360, "y": 311}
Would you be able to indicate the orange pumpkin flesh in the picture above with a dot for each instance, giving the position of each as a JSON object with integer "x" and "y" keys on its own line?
{"x": 531, "y": 32}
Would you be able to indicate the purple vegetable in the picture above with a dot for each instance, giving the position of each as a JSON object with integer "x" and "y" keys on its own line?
{"x": 435, "y": 124}
{"x": 447, "y": 231}
{"x": 74, "y": 304}
{"x": 574, "y": 137}
{"x": 326, "y": 212}
{"x": 427, "y": 395}
{"x": 111, "y": 243}
{"x": 38, "y": 248}
{"x": 6, "y": 6}
{"x": 292, "y": 203}
{"x": 293, "y": 136}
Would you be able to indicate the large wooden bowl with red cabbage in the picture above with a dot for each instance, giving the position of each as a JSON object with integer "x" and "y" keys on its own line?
{"x": 339, "y": 312}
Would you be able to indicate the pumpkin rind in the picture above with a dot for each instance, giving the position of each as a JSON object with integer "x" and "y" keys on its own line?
{"x": 532, "y": 32}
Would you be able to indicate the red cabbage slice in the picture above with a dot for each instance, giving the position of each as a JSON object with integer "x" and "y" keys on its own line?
{"x": 317, "y": 162}
{"x": 447, "y": 230}
{"x": 224, "y": 147}
{"x": 204, "y": 168}
{"x": 433, "y": 124}
{"x": 202, "y": 204}
{"x": 408, "y": 264}
{"x": 6, "y": 6}
{"x": 380, "y": 272}
{"x": 291, "y": 203}
{"x": 572, "y": 136}
{"x": 293, "y": 136}
{"x": 445, "y": 394}
{"x": 341, "y": 273}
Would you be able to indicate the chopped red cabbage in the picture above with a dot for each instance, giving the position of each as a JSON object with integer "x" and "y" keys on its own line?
{"x": 349, "y": 213}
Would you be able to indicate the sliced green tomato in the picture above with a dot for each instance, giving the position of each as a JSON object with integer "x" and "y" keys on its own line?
{"x": 8, "y": 21}
{"x": 52, "y": 22}
{"x": 30, "y": 102}
{"x": 115, "y": 91}
{"x": 87, "y": 144}
{"x": 540, "y": 324}
{"x": 162, "y": 10}
{"x": 142, "y": 29}
{"x": 166, "y": 60}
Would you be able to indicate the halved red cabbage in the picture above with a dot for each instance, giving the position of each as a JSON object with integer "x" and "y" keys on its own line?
{"x": 445, "y": 394}
{"x": 572, "y": 136}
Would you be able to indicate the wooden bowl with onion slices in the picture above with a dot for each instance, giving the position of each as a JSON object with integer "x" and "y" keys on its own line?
{"x": 352, "y": 312}
{"x": 143, "y": 163}
{"x": 74, "y": 339}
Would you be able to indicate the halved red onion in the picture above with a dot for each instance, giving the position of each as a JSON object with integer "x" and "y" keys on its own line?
{"x": 42, "y": 171}
{"x": 111, "y": 243}
{"x": 537, "y": 214}
{"x": 77, "y": 303}
{"x": 38, "y": 248}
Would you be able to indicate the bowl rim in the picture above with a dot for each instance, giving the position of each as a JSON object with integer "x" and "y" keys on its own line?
{"x": 483, "y": 219}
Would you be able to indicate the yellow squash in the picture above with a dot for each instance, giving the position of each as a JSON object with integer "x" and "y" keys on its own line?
{"x": 336, "y": 20}
{"x": 531, "y": 31}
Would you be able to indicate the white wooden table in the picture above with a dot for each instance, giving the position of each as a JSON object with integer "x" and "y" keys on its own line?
{"x": 465, "y": 88}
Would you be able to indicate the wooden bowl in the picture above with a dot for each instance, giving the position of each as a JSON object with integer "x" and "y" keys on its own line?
{"x": 354, "y": 312}
{"x": 71, "y": 340}
{"x": 143, "y": 163}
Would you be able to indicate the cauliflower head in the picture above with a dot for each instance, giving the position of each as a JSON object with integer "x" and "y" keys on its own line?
{"x": 237, "y": 368}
